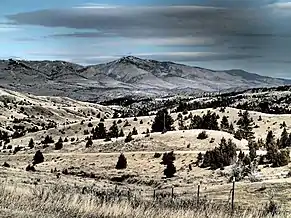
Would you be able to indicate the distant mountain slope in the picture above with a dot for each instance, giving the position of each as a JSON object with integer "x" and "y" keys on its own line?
{"x": 126, "y": 76}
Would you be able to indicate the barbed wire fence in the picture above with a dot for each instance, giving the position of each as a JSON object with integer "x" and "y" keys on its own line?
{"x": 197, "y": 198}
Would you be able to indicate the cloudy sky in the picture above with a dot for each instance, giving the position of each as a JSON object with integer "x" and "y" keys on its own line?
{"x": 254, "y": 35}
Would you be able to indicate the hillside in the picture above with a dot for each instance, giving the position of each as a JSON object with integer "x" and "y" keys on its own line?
{"x": 126, "y": 76}
{"x": 79, "y": 165}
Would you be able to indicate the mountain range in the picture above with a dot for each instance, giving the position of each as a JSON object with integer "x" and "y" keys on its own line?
{"x": 126, "y": 76}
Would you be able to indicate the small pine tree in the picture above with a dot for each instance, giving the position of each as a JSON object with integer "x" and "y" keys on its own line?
{"x": 224, "y": 125}
{"x": 121, "y": 133}
{"x": 246, "y": 125}
{"x": 238, "y": 135}
{"x": 89, "y": 142}
{"x": 252, "y": 151}
{"x": 168, "y": 160}
{"x": 163, "y": 122}
{"x": 128, "y": 137}
{"x": 100, "y": 131}
{"x": 180, "y": 121}
{"x": 134, "y": 131}
{"x": 121, "y": 163}
{"x": 38, "y": 157}
{"x": 270, "y": 139}
{"x": 170, "y": 170}
{"x": 113, "y": 130}
{"x": 283, "y": 125}
{"x": 59, "y": 144}
{"x": 31, "y": 144}
{"x": 231, "y": 129}
{"x": 284, "y": 140}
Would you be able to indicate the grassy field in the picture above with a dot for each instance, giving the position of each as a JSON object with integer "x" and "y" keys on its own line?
{"x": 65, "y": 202}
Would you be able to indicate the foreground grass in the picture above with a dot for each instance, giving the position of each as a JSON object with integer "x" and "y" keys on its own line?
{"x": 66, "y": 203}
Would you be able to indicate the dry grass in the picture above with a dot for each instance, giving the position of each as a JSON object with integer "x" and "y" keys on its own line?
{"x": 57, "y": 201}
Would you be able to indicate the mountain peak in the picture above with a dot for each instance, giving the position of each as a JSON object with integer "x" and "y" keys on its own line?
{"x": 129, "y": 59}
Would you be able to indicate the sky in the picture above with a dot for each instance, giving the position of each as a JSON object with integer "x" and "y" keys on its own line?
{"x": 253, "y": 35}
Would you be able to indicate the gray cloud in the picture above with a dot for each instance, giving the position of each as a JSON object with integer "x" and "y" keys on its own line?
{"x": 151, "y": 21}
{"x": 242, "y": 29}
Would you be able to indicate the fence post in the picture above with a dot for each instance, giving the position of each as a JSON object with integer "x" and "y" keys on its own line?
{"x": 232, "y": 196}
{"x": 128, "y": 195}
{"x": 172, "y": 192}
{"x": 198, "y": 194}
{"x": 154, "y": 194}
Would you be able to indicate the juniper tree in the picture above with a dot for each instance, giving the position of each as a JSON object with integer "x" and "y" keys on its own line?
{"x": 128, "y": 137}
{"x": 121, "y": 133}
{"x": 121, "y": 163}
{"x": 89, "y": 142}
{"x": 162, "y": 122}
{"x": 224, "y": 125}
{"x": 113, "y": 130}
{"x": 168, "y": 160}
{"x": 59, "y": 144}
{"x": 38, "y": 157}
{"x": 31, "y": 144}
{"x": 246, "y": 125}
{"x": 284, "y": 139}
{"x": 207, "y": 121}
{"x": 134, "y": 131}
{"x": 231, "y": 129}
{"x": 252, "y": 151}
{"x": 180, "y": 121}
{"x": 271, "y": 147}
{"x": 100, "y": 131}
{"x": 221, "y": 156}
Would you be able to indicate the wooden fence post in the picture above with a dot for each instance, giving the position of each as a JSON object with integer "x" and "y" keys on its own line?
{"x": 198, "y": 194}
{"x": 232, "y": 196}
{"x": 172, "y": 192}
{"x": 128, "y": 195}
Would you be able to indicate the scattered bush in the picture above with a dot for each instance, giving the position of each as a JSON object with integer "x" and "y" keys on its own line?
{"x": 157, "y": 155}
{"x": 202, "y": 135}
{"x": 6, "y": 165}
{"x": 30, "y": 168}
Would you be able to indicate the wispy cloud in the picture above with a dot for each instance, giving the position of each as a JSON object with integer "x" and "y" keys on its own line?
{"x": 9, "y": 28}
